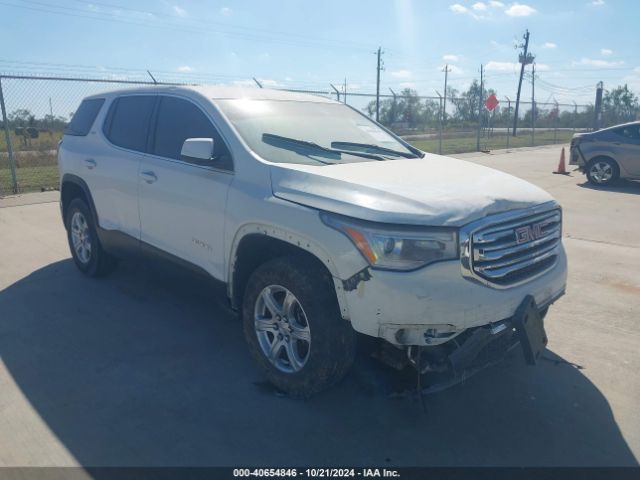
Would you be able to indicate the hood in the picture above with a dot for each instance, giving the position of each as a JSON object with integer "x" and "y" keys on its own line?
{"x": 434, "y": 190}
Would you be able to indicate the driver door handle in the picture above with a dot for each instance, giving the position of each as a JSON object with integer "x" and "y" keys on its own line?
{"x": 90, "y": 163}
{"x": 149, "y": 176}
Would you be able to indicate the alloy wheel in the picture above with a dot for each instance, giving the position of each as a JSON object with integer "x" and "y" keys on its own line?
{"x": 81, "y": 237}
{"x": 282, "y": 329}
{"x": 601, "y": 172}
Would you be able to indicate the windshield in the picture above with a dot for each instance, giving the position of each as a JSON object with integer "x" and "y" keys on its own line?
{"x": 307, "y": 132}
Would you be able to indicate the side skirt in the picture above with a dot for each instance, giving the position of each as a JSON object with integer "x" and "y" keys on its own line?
{"x": 124, "y": 247}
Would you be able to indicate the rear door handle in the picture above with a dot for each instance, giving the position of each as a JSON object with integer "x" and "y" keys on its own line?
{"x": 149, "y": 176}
{"x": 90, "y": 163}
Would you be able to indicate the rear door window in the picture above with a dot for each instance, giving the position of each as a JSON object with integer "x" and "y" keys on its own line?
{"x": 127, "y": 123}
{"x": 179, "y": 119}
{"x": 84, "y": 117}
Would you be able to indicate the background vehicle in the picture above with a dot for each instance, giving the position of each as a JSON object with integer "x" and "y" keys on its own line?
{"x": 608, "y": 154}
{"x": 321, "y": 224}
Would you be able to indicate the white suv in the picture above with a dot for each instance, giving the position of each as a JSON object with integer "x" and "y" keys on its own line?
{"x": 320, "y": 222}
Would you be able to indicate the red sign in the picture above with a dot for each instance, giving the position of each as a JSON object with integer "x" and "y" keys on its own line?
{"x": 491, "y": 103}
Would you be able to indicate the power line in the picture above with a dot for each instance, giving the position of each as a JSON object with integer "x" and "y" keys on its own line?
{"x": 274, "y": 37}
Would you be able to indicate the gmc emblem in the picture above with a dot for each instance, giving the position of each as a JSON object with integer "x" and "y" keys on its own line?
{"x": 529, "y": 233}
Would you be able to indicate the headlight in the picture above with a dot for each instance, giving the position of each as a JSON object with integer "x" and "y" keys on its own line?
{"x": 397, "y": 247}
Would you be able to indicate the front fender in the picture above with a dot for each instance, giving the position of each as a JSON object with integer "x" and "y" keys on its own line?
{"x": 297, "y": 240}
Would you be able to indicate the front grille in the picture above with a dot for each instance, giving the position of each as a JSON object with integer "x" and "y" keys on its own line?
{"x": 516, "y": 250}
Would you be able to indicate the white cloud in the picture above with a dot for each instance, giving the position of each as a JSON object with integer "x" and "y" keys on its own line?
{"x": 479, "y": 7}
{"x": 633, "y": 80}
{"x": 225, "y": 11}
{"x": 401, "y": 74}
{"x": 549, "y": 45}
{"x": 266, "y": 82}
{"x": 184, "y": 69}
{"x": 457, "y": 8}
{"x": 450, "y": 57}
{"x": 452, "y": 69}
{"x": 520, "y": 10}
{"x": 511, "y": 66}
{"x": 181, "y": 12}
{"x": 496, "y": 4}
{"x": 501, "y": 66}
{"x": 597, "y": 3}
{"x": 606, "y": 51}
{"x": 590, "y": 62}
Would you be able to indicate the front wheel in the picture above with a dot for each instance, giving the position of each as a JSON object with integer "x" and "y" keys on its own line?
{"x": 293, "y": 326}
{"x": 602, "y": 171}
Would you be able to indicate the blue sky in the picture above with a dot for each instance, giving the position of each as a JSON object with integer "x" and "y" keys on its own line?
{"x": 309, "y": 44}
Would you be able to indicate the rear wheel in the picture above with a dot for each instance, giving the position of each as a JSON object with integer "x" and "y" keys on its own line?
{"x": 293, "y": 326}
{"x": 86, "y": 250}
{"x": 602, "y": 171}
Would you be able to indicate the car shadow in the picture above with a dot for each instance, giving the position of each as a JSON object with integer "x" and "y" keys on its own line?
{"x": 149, "y": 367}
{"x": 621, "y": 186}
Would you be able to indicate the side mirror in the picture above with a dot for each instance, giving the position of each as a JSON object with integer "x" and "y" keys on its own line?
{"x": 197, "y": 148}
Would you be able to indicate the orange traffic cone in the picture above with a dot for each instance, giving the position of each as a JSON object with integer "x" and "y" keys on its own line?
{"x": 561, "y": 168}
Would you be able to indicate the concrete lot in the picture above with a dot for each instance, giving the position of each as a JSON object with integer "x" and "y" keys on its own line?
{"x": 149, "y": 367}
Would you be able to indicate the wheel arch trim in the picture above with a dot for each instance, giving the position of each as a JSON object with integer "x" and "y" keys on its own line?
{"x": 69, "y": 178}
{"x": 295, "y": 240}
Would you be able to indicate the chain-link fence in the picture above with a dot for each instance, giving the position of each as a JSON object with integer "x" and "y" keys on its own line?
{"x": 36, "y": 111}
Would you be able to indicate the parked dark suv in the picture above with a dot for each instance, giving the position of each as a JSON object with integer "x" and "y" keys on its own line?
{"x": 608, "y": 154}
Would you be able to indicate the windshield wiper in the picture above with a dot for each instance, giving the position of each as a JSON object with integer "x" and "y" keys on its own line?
{"x": 278, "y": 140}
{"x": 377, "y": 148}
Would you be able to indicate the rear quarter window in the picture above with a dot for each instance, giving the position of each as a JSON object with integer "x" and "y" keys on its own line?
{"x": 127, "y": 122}
{"x": 84, "y": 117}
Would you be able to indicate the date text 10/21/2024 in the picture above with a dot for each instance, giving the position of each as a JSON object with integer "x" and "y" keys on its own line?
{"x": 316, "y": 472}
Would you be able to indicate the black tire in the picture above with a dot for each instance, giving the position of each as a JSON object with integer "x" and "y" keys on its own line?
{"x": 98, "y": 262}
{"x": 608, "y": 165}
{"x": 332, "y": 344}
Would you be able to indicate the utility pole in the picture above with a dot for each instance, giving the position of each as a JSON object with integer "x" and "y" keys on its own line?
{"x": 378, "y": 68}
{"x": 597, "y": 121}
{"x": 575, "y": 115}
{"x": 345, "y": 89}
{"x": 525, "y": 58}
{"x": 444, "y": 102}
{"x": 508, "y": 113}
{"x": 555, "y": 120}
{"x": 533, "y": 104}
{"x": 440, "y": 124}
{"x": 480, "y": 95}
{"x": 394, "y": 107}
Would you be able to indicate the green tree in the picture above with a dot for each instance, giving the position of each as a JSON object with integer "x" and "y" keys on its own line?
{"x": 467, "y": 104}
{"x": 406, "y": 110}
{"x": 21, "y": 118}
{"x": 620, "y": 105}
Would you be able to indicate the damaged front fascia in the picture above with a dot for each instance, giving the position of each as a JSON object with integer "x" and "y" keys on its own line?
{"x": 352, "y": 283}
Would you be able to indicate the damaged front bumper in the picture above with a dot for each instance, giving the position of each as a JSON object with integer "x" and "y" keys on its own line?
{"x": 481, "y": 347}
{"x": 435, "y": 305}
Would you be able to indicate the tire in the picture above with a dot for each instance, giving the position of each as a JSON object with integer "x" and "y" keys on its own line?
{"x": 602, "y": 171}
{"x": 87, "y": 253}
{"x": 298, "y": 367}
